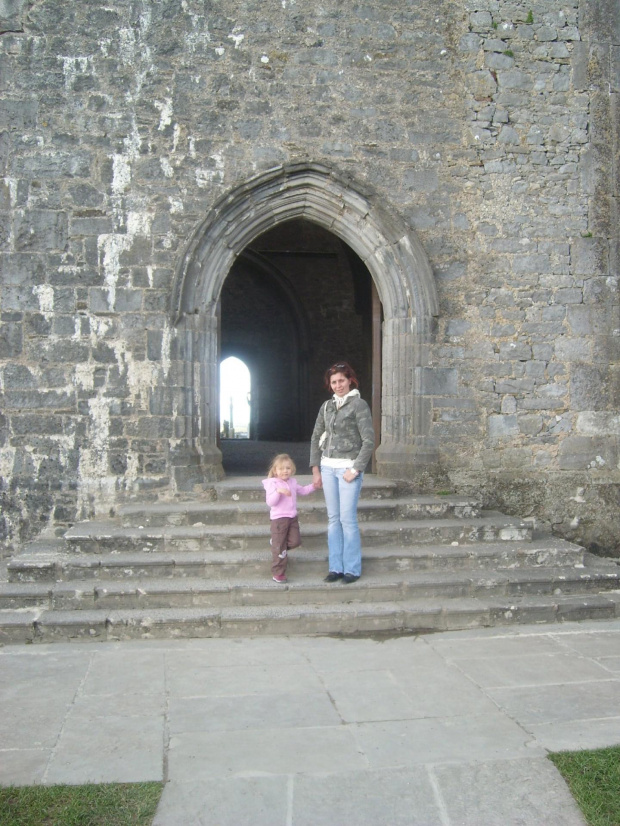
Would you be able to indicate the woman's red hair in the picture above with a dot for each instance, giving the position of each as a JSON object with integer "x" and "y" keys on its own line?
{"x": 346, "y": 370}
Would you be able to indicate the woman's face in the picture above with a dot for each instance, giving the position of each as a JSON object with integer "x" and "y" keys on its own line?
{"x": 340, "y": 384}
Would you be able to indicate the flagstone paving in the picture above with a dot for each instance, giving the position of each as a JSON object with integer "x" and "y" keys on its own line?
{"x": 435, "y": 729}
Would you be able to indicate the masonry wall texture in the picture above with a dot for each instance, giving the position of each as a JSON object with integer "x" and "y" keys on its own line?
{"x": 490, "y": 127}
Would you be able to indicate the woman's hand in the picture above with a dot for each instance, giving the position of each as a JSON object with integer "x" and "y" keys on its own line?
{"x": 316, "y": 478}
{"x": 350, "y": 475}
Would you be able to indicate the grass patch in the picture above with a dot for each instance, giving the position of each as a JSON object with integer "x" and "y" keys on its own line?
{"x": 594, "y": 780}
{"x": 109, "y": 804}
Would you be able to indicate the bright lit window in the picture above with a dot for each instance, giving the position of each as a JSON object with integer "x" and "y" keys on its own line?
{"x": 235, "y": 389}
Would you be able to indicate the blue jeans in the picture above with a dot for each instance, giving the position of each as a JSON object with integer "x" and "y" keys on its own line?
{"x": 343, "y": 534}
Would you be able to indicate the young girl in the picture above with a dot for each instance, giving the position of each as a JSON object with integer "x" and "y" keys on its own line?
{"x": 282, "y": 488}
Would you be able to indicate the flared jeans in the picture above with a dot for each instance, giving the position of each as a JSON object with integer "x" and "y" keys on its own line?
{"x": 343, "y": 534}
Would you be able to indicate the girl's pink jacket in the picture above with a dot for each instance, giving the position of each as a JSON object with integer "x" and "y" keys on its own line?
{"x": 280, "y": 504}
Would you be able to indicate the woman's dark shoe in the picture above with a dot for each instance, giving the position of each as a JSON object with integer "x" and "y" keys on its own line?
{"x": 349, "y": 578}
{"x": 332, "y": 576}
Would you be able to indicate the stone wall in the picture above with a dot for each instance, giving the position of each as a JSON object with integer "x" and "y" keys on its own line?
{"x": 490, "y": 127}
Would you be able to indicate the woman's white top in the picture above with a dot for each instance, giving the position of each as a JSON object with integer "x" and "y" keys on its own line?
{"x": 340, "y": 463}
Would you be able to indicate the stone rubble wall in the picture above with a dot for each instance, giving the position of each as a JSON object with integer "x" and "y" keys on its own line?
{"x": 490, "y": 126}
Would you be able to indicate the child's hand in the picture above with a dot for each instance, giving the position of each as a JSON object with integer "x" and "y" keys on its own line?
{"x": 284, "y": 491}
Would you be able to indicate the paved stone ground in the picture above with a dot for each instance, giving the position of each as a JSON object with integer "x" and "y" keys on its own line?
{"x": 435, "y": 730}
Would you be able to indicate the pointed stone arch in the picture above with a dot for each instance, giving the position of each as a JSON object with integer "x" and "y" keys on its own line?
{"x": 395, "y": 259}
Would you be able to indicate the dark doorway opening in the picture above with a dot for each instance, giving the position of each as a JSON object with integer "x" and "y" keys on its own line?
{"x": 295, "y": 301}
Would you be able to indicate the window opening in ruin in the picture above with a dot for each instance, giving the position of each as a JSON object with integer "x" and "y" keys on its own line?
{"x": 235, "y": 399}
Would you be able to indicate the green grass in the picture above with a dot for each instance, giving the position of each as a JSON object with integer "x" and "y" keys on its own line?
{"x": 110, "y": 804}
{"x": 594, "y": 780}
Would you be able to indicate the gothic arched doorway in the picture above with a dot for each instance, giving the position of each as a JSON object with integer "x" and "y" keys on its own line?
{"x": 399, "y": 269}
{"x": 295, "y": 301}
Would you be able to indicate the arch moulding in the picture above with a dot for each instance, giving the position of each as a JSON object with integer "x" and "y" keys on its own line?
{"x": 397, "y": 263}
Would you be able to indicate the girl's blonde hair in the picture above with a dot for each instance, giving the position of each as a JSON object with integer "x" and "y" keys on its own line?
{"x": 280, "y": 459}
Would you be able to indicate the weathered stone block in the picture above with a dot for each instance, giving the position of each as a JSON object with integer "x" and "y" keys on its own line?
{"x": 127, "y": 301}
{"x": 531, "y": 263}
{"x": 587, "y": 452}
{"x": 480, "y": 21}
{"x": 591, "y": 321}
{"x": 18, "y": 377}
{"x": 33, "y": 399}
{"x": 573, "y": 349}
{"x": 591, "y": 387}
{"x": 11, "y": 14}
{"x": 11, "y": 340}
{"x": 64, "y": 351}
{"x": 154, "y": 345}
{"x": 40, "y": 229}
{"x": 515, "y": 351}
{"x": 92, "y": 225}
{"x": 501, "y": 428}
{"x": 19, "y": 299}
{"x": 22, "y": 270}
{"x": 39, "y": 424}
{"x": 601, "y": 290}
{"x": 439, "y": 381}
{"x": 65, "y": 326}
{"x": 590, "y": 423}
{"x": 530, "y": 424}
{"x": 589, "y": 256}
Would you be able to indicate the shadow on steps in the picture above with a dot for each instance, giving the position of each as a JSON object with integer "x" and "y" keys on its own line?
{"x": 247, "y": 457}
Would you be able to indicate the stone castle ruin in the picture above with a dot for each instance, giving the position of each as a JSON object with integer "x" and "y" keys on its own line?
{"x": 426, "y": 189}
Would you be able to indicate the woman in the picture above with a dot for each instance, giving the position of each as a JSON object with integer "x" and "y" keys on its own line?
{"x": 344, "y": 434}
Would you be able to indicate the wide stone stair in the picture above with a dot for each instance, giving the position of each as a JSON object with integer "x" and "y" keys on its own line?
{"x": 202, "y": 569}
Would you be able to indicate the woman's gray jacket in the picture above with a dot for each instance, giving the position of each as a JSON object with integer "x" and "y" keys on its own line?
{"x": 350, "y": 434}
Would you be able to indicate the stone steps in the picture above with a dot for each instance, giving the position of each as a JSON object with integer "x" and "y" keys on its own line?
{"x": 53, "y": 565}
{"x": 111, "y": 536}
{"x": 303, "y": 589}
{"x": 310, "y": 512}
{"x": 168, "y": 569}
{"x": 350, "y": 618}
{"x": 250, "y": 489}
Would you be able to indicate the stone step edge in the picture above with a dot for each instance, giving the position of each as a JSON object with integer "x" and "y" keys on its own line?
{"x": 308, "y": 515}
{"x": 112, "y": 530}
{"x": 553, "y": 577}
{"x": 303, "y": 503}
{"x": 546, "y": 548}
{"x": 249, "y": 488}
{"x": 303, "y": 579}
{"x": 407, "y": 616}
{"x": 253, "y": 482}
